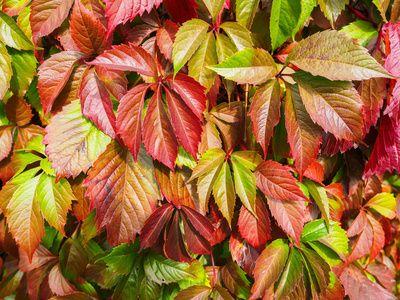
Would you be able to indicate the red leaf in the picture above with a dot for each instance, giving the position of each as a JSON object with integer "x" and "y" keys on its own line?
{"x": 358, "y": 225}
{"x": 194, "y": 292}
{"x": 120, "y": 11}
{"x": 127, "y": 58}
{"x": 166, "y": 38}
{"x": 125, "y": 193}
{"x": 40, "y": 257}
{"x": 392, "y": 109}
{"x": 54, "y": 74}
{"x": 275, "y": 181}
{"x": 175, "y": 246}
{"x": 290, "y": 216}
{"x": 372, "y": 187}
{"x": 158, "y": 135}
{"x": 59, "y": 285}
{"x": 138, "y": 33}
{"x": 335, "y": 189}
{"x": 96, "y": 103}
{"x": 181, "y": 10}
{"x": 199, "y": 222}
{"x": 378, "y": 240}
{"x": 315, "y": 171}
{"x": 196, "y": 242}
{"x": 191, "y": 92}
{"x": 255, "y": 229}
{"x": 265, "y": 112}
{"x": 386, "y": 153}
{"x": 384, "y": 275}
{"x": 6, "y": 141}
{"x": 47, "y": 15}
{"x": 114, "y": 80}
{"x": 87, "y": 31}
{"x": 242, "y": 252}
{"x": 129, "y": 117}
{"x": 392, "y": 63}
{"x": 185, "y": 123}
{"x": 364, "y": 241}
{"x": 154, "y": 225}
{"x": 18, "y": 111}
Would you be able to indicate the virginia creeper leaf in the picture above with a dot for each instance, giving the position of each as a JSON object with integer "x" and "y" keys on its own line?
{"x": 58, "y": 284}
{"x": 342, "y": 118}
{"x": 382, "y": 6}
{"x": 214, "y": 7}
{"x": 335, "y": 56}
{"x": 269, "y": 267}
{"x": 384, "y": 203}
{"x": 125, "y": 193}
{"x": 18, "y": 111}
{"x": 123, "y": 258}
{"x": 114, "y": 80}
{"x": 73, "y": 142}
{"x": 188, "y": 38}
{"x": 24, "y": 23}
{"x": 276, "y": 182}
{"x": 332, "y": 9}
{"x": 6, "y": 141}
{"x": 246, "y": 11}
{"x": 96, "y": 103}
{"x": 166, "y": 38}
{"x": 378, "y": 240}
{"x": 224, "y": 47}
{"x": 307, "y": 6}
{"x": 181, "y": 10}
{"x": 319, "y": 195}
{"x": 5, "y": 70}
{"x": 47, "y": 16}
{"x": 12, "y": 35}
{"x": 238, "y": 34}
{"x": 391, "y": 62}
{"x": 195, "y": 292}
{"x": 362, "y": 30}
{"x": 53, "y": 76}
{"x": 23, "y": 64}
{"x": 73, "y": 259}
{"x": 264, "y": 112}
{"x": 10, "y": 283}
{"x": 13, "y": 7}
{"x": 252, "y": 66}
{"x": 87, "y": 31}
{"x": 304, "y": 135}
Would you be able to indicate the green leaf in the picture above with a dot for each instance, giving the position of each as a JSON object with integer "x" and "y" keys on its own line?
{"x": 336, "y": 240}
{"x": 126, "y": 288}
{"x": 314, "y": 231}
{"x": 319, "y": 195}
{"x": 238, "y": 34}
{"x": 22, "y": 159}
{"x": 224, "y": 192}
{"x": 123, "y": 257}
{"x": 24, "y": 23}
{"x": 320, "y": 96}
{"x": 214, "y": 7}
{"x": 10, "y": 283}
{"x": 384, "y": 203}
{"x": 245, "y": 184}
{"x": 23, "y": 64}
{"x": 12, "y": 35}
{"x": 205, "y": 56}
{"x": 249, "y": 159}
{"x": 251, "y": 66}
{"x": 330, "y": 256}
{"x": 307, "y": 6}
{"x": 188, "y": 38}
{"x": 211, "y": 159}
{"x": 55, "y": 200}
{"x": 291, "y": 275}
{"x": 246, "y": 11}
{"x": 73, "y": 259}
{"x": 335, "y": 56}
{"x": 5, "y": 70}
{"x": 205, "y": 184}
{"x": 185, "y": 159}
{"x": 269, "y": 267}
{"x": 89, "y": 227}
{"x": 224, "y": 46}
{"x": 362, "y": 30}
{"x": 45, "y": 164}
{"x": 162, "y": 270}
{"x": 382, "y": 6}
{"x": 284, "y": 18}
{"x": 332, "y": 9}
{"x": 195, "y": 292}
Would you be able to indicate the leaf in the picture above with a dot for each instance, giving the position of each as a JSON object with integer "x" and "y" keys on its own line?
{"x": 24, "y": 218}
{"x": 224, "y": 47}
{"x": 123, "y": 258}
{"x": 378, "y": 240}
{"x": 284, "y": 18}
{"x": 114, "y": 80}
{"x": 47, "y": 16}
{"x": 12, "y": 35}
{"x": 307, "y": 7}
{"x": 121, "y": 11}
{"x": 382, "y": 6}
{"x": 314, "y": 231}
{"x": 269, "y": 267}
{"x": 391, "y": 62}
{"x": 363, "y": 244}
{"x": 361, "y": 30}
{"x": 264, "y": 112}
{"x": 245, "y": 184}
{"x": 73, "y": 142}
{"x": 214, "y": 7}
{"x": 57, "y": 282}
{"x": 175, "y": 247}
{"x": 335, "y": 56}
{"x": 291, "y": 275}
{"x": 249, "y": 66}
{"x": 185, "y": 122}
{"x": 73, "y": 296}
{"x": 23, "y": 64}
{"x": 196, "y": 242}
{"x": 125, "y": 193}
{"x": 319, "y": 195}
{"x": 13, "y": 7}
{"x": 304, "y": 135}
{"x": 256, "y": 229}
{"x": 384, "y": 203}
{"x": 162, "y": 270}
{"x": 73, "y": 259}
{"x": 6, "y": 141}
{"x": 18, "y": 111}
{"x": 166, "y": 37}
{"x": 224, "y": 192}
{"x": 289, "y": 215}
{"x": 342, "y": 118}
{"x": 53, "y": 76}
{"x": 154, "y": 225}
{"x": 238, "y": 34}
{"x": 10, "y": 283}
{"x": 181, "y": 10}
{"x": 127, "y": 58}
{"x": 23, "y": 21}
{"x": 221, "y": 293}
{"x": 205, "y": 55}
{"x": 246, "y": 11}
{"x": 87, "y": 31}
{"x": 332, "y": 9}
{"x": 5, "y": 70}
{"x": 276, "y": 182}
{"x": 54, "y": 200}
{"x": 188, "y": 38}
{"x": 195, "y": 292}
{"x": 205, "y": 184}
{"x": 96, "y": 103}
{"x": 158, "y": 135}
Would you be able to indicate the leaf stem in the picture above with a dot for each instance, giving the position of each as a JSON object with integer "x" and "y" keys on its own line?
{"x": 214, "y": 271}
{"x": 360, "y": 15}
{"x": 246, "y": 102}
